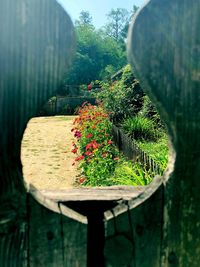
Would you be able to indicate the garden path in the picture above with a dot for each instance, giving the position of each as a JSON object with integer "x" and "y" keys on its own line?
{"x": 46, "y": 153}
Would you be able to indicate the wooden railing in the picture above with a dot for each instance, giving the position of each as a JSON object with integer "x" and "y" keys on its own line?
{"x": 153, "y": 226}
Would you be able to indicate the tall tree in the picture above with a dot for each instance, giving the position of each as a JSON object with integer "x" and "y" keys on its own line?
{"x": 117, "y": 20}
{"x": 84, "y": 18}
{"x": 124, "y": 31}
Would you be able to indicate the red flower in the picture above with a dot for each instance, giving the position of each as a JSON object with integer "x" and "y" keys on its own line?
{"x": 82, "y": 180}
{"x": 95, "y": 145}
{"x": 79, "y": 158}
{"x": 110, "y": 142}
{"x": 88, "y": 146}
{"x": 88, "y": 153}
{"x": 89, "y": 135}
{"x": 117, "y": 158}
{"x": 74, "y": 150}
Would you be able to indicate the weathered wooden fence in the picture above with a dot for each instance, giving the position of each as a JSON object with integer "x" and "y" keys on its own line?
{"x": 153, "y": 226}
{"x": 132, "y": 151}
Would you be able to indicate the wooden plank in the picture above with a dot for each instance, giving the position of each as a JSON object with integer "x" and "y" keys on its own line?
{"x": 54, "y": 239}
{"x": 51, "y": 204}
{"x": 164, "y": 50}
{"x": 114, "y": 193}
{"x": 135, "y": 235}
{"x": 37, "y": 41}
{"x": 14, "y": 246}
{"x": 75, "y": 243}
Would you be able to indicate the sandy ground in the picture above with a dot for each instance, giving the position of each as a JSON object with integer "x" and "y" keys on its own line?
{"x": 46, "y": 153}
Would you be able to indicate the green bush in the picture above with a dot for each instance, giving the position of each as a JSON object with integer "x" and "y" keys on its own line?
{"x": 148, "y": 110}
{"x": 140, "y": 127}
{"x": 123, "y": 98}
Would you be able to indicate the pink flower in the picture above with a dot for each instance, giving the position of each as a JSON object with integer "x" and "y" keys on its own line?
{"x": 117, "y": 158}
{"x": 110, "y": 142}
{"x": 77, "y": 134}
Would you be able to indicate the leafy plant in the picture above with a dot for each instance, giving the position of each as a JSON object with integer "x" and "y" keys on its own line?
{"x": 129, "y": 173}
{"x": 122, "y": 98}
{"x": 148, "y": 110}
{"x": 158, "y": 150}
{"x": 140, "y": 127}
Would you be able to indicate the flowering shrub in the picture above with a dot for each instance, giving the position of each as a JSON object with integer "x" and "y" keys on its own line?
{"x": 98, "y": 157}
{"x": 97, "y": 154}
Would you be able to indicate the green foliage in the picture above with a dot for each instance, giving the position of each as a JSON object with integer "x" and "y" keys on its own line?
{"x": 84, "y": 18}
{"x": 122, "y": 98}
{"x": 117, "y": 21}
{"x": 95, "y": 52}
{"x": 132, "y": 110}
{"x": 148, "y": 110}
{"x": 158, "y": 150}
{"x": 140, "y": 127}
{"x": 129, "y": 173}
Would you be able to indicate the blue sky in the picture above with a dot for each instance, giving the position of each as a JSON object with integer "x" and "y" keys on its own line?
{"x": 97, "y": 8}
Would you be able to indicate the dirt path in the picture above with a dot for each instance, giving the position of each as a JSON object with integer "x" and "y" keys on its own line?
{"x": 46, "y": 153}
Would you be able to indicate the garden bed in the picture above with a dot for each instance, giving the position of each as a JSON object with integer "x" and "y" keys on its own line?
{"x": 101, "y": 162}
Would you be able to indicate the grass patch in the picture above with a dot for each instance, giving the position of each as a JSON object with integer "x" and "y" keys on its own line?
{"x": 158, "y": 150}
{"x": 132, "y": 174}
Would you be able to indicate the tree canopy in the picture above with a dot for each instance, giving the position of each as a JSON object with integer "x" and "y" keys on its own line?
{"x": 99, "y": 52}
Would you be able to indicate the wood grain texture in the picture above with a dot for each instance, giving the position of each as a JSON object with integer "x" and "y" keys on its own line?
{"x": 164, "y": 50}
{"x": 56, "y": 205}
{"x": 36, "y": 45}
{"x": 112, "y": 193}
{"x": 140, "y": 223}
{"x": 55, "y": 240}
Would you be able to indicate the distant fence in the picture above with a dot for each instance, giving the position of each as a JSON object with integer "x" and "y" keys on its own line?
{"x": 131, "y": 150}
{"x": 59, "y": 105}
